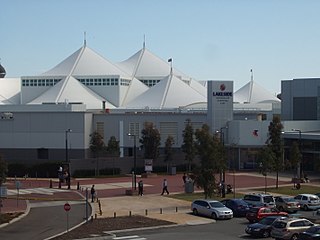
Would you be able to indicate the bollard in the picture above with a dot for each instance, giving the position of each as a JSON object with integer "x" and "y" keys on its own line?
{"x": 146, "y": 212}
{"x": 95, "y": 216}
{"x": 114, "y": 214}
{"x": 59, "y": 183}
{"x": 50, "y": 183}
{"x": 129, "y": 213}
{"x": 160, "y": 210}
{"x": 78, "y": 186}
{"x": 176, "y": 209}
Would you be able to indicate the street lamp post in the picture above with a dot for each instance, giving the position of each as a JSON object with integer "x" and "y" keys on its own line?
{"x": 134, "y": 160}
{"x": 67, "y": 149}
{"x": 67, "y": 158}
{"x": 300, "y": 170}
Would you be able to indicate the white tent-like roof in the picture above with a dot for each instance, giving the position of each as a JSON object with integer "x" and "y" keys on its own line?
{"x": 70, "y": 90}
{"x": 10, "y": 90}
{"x": 254, "y": 93}
{"x": 170, "y": 92}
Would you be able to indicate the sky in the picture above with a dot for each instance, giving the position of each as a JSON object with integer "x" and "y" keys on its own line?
{"x": 207, "y": 39}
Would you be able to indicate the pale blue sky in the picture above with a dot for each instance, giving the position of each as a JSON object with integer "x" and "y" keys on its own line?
{"x": 207, "y": 39}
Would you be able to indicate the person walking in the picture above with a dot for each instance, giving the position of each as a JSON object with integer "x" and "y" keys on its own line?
{"x": 165, "y": 187}
{"x": 140, "y": 187}
{"x": 93, "y": 192}
{"x": 184, "y": 178}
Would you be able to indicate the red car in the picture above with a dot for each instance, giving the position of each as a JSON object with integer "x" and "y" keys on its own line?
{"x": 257, "y": 213}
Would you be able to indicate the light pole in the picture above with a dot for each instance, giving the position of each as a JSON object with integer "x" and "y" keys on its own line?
{"x": 67, "y": 149}
{"x": 134, "y": 160}
{"x": 300, "y": 171}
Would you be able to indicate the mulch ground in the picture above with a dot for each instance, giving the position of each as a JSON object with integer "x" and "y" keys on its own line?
{"x": 101, "y": 225}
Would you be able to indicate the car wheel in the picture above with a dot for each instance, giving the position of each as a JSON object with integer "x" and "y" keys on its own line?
{"x": 195, "y": 212}
{"x": 305, "y": 207}
{"x": 294, "y": 237}
{"x": 214, "y": 216}
{"x": 266, "y": 234}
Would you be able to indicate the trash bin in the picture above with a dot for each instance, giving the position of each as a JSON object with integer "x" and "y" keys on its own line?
{"x": 188, "y": 187}
{"x": 173, "y": 171}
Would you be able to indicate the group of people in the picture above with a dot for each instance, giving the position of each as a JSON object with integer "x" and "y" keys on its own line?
{"x": 164, "y": 187}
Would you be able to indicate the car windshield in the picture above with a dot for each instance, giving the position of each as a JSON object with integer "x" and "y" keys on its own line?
{"x": 279, "y": 224}
{"x": 241, "y": 202}
{"x": 313, "y": 230}
{"x": 267, "y": 221}
{"x": 216, "y": 204}
{"x": 289, "y": 199}
{"x": 268, "y": 199}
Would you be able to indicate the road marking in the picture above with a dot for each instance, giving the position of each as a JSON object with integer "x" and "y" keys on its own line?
{"x": 134, "y": 237}
{"x": 46, "y": 191}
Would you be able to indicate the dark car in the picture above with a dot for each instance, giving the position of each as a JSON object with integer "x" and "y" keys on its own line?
{"x": 261, "y": 228}
{"x": 255, "y": 214}
{"x": 311, "y": 233}
{"x": 237, "y": 205}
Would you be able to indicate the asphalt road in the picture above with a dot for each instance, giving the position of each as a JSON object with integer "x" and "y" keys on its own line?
{"x": 222, "y": 229}
{"x": 44, "y": 220}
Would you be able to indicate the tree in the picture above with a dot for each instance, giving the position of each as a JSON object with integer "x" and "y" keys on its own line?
{"x": 96, "y": 146}
{"x": 266, "y": 163}
{"x": 295, "y": 158}
{"x": 3, "y": 171}
{"x": 188, "y": 146}
{"x": 168, "y": 150}
{"x": 113, "y": 149}
{"x": 150, "y": 141}
{"x": 204, "y": 176}
{"x": 276, "y": 145}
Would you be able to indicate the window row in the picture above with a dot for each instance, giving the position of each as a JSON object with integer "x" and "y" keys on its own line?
{"x": 150, "y": 83}
{"x": 39, "y": 82}
{"x": 100, "y": 81}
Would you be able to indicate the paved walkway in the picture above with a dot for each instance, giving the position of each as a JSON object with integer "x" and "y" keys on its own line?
{"x": 113, "y": 201}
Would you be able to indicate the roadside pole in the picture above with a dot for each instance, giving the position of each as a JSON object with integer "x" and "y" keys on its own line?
{"x": 86, "y": 204}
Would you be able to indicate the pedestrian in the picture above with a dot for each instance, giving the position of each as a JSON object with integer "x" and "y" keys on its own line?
{"x": 165, "y": 187}
{"x": 140, "y": 187}
{"x": 184, "y": 178}
{"x": 93, "y": 191}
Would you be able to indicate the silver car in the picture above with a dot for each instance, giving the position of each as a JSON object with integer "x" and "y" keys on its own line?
{"x": 308, "y": 201}
{"x": 211, "y": 208}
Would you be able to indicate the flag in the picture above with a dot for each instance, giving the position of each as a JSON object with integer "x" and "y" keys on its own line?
{"x": 255, "y": 133}
{"x": 170, "y": 60}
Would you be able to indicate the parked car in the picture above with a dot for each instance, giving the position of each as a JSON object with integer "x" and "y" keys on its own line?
{"x": 259, "y": 200}
{"x": 287, "y": 204}
{"x": 308, "y": 201}
{"x": 211, "y": 208}
{"x": 289, "y": 228}
{"x": 255, "y": 214}
{"x": 261, "y": 228}
{"x": 238, "y": 206}
{"x": 310, "y": 234}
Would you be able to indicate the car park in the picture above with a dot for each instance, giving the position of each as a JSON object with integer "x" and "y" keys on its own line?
{"x": 289, "y": 228}
{"x": 259, "y": 200}
{"x": 287, "y": 204}
{"x": 257, "y": 213}
{"x": 261, "y": 228}
{"x": 211, "y": 208}
{"x": 310, "y": 234}
{"x": 238, "y": 206}
{"x": 308, "y": 201}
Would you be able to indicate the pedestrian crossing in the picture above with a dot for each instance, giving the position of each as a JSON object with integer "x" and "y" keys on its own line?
{"x": 45, "y": 191}
{"x": 133, "y": 237}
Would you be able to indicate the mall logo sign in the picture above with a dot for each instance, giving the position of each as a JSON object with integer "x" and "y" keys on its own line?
{"x": 222, "y": 92}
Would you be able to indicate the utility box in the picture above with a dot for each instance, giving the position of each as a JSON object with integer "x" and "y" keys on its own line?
{"x": 173, "y": 171}
{"x": 189, "y": 187}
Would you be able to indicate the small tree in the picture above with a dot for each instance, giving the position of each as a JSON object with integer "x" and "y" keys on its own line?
{"x": 266, "y": 160}
{"x": 3, "y": 171}
{"x": 295, "y": 159}
{"x": 113, "y": 149}
{"x": 204, "y": 175}
{"x": 96, "y": 146}
{"x": 150, "y": 140}
{"x": 188, "y": 146}
{"x": 276, "y": 145}
{"x": 168, "y": 150}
